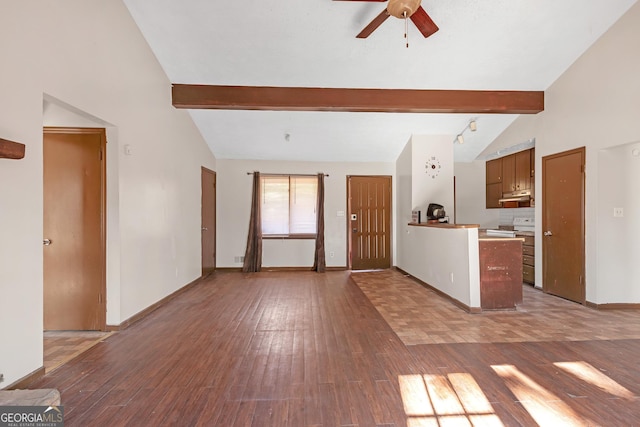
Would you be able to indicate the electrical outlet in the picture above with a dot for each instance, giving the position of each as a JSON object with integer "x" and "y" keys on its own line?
{"x": 618, "y": 212}
{"x": 331, "y": 254}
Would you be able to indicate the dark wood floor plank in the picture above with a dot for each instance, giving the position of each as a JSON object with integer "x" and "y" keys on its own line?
{"x": 308, "y": 349}
{"x": 360, "y": 395}
{"x": 331, "y": 414}
{"x": 390, "y": 410}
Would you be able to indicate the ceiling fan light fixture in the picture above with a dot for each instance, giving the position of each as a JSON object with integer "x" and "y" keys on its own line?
{"x": 402, "y": 8}
{"x": 460, "y": 138}
{"x": 473, "y": 125}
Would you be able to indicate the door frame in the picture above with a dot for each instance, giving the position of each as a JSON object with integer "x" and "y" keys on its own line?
{"x": 348, "y": 218}
{"x": 582, "y": 152}
{"x": 102, "y": 314}
{"x": 205, "y": 170}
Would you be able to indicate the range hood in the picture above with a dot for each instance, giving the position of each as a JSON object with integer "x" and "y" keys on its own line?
{"x": 516, "y": 196}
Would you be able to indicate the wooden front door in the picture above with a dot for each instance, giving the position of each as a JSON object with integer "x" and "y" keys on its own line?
{"x": 208, "y": 221}
{"x": 74, "y": 229}
{"x": 369, "y": 222}
{"x": 563, "y": 250}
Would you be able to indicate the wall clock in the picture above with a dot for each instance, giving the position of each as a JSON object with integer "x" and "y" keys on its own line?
{"x": 432, "y": 166}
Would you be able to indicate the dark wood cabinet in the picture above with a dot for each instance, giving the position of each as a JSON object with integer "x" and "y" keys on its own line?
{"x": 508, "y": 173}
{"x": 514, "y": 172}
{"x": 494, "y": 171}
{"x": 500, "y": 273}
{"x": 494, "y": 194}
{"x": 494, "y": 183}
{"x": 528, "y": 259}
{"x": 522, "y": 171}
{"x": 532, "y": 165}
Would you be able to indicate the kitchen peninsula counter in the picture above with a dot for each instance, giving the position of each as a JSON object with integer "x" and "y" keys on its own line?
{"x": 477, "y": 271}
{"x": 443, "y": 225}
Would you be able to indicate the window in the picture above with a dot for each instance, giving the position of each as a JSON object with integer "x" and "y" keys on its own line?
{"x": 289, "y": 205}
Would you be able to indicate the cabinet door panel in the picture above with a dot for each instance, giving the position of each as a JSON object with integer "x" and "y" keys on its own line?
{"x": 523, "y": 170}
{"x": 508, "y": 173}
{"x": 494, "y": 193}
{"x": 494, "y": 171}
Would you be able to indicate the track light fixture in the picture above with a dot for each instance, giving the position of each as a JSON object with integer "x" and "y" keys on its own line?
{"x": 472, "y": 125}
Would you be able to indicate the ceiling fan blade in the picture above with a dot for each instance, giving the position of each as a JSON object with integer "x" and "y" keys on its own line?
{"x": 424, "y": 22}
{"x": 377, "y": 21}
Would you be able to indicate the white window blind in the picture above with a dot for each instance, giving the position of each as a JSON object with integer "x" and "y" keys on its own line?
{"x": 289, "y": 205}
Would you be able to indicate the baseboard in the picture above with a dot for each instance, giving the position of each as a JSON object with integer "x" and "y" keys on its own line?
{"x": 153, "y": 307}
{"x": 25, "y": 381}
{"x": 302, "y": 269}
{"x": 458, "y": 303}
{"x": 271, "y": 269}
{"x": 613, "y": 306}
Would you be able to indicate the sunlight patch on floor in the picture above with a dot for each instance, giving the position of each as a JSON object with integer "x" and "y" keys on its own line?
{"x": 591, "y": 375}
{"x": 543, "y": 406}
{"x": 451, "y": 400}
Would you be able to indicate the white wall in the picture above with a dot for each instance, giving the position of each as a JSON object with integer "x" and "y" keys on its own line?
{"x": 404, "y": 201}
{"x": 234, "y": 206}
{"x": 446, "y": 259}
{"x": 471, "y": 196}
{"x": 618, "y": 242}
{"x": 426, "y": 189}
{"x": 91, "y": 56}
{"x": 593, "y": 104}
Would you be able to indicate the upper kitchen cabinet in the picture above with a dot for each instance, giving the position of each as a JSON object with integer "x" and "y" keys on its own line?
{"x": 494, "y": 183}
{"x": 523, "y": 170}
{"x": 516, "y": 170}
{"x": 494, "y": 171}
{"x": 507, "y": 175}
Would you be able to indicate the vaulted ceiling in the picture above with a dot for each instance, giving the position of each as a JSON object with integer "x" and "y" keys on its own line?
{"x": 492, "y": 45}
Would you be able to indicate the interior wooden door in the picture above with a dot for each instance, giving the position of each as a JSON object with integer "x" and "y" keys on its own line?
{"x": 74, "y": 229}
{"x": 563, "y": 250}
{"x": 369, "y": 207}
{"x": 208, "y": 221}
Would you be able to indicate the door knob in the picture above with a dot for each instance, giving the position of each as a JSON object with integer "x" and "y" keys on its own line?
{"x": 204, "y": 228}
{"x": 355, "y": 230}
{"x": 548, "y": 233}
{"x": 47, "y": 242}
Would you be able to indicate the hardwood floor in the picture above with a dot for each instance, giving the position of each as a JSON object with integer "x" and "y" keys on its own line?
{"x": 309, "y": 349}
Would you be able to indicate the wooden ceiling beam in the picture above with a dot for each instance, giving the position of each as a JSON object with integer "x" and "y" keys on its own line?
{"x": 356, "y": 100}
{"x": 11, "y": 150}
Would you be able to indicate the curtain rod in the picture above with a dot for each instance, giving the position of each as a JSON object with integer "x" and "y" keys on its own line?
{"x": 286, "y": 174}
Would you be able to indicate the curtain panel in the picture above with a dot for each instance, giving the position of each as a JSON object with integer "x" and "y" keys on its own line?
{"x": 253, "y": 253}
{"x": 319, "y": 263}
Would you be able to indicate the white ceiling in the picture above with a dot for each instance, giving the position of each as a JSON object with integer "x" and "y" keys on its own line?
{"x": 481, "y": 45}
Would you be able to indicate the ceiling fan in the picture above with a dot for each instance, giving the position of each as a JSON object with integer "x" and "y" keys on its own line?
{"x": 401, "y": 9}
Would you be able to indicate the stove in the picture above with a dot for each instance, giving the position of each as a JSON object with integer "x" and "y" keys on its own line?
{"x": 524, "y": 224}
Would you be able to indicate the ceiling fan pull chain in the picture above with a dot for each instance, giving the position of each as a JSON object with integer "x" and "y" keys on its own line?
{"x": 406, "y": 28}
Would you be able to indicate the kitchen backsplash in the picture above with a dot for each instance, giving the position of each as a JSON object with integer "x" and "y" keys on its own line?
{"x": 507, "y": 215}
